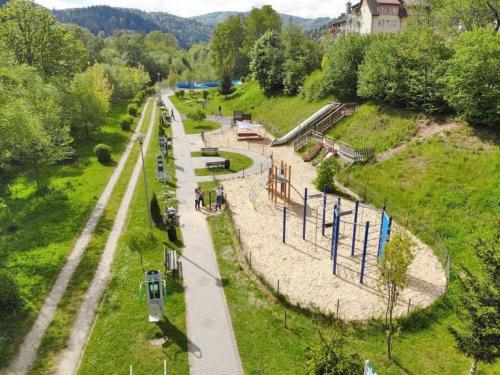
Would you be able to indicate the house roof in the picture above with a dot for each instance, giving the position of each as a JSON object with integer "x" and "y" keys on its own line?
{"x": 372, "y": 4}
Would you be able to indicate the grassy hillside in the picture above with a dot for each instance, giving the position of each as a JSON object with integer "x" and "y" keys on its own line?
{"x": 376, "y": 126}
{"x": 37, "y": 232}
{"x": 279, "y": 114}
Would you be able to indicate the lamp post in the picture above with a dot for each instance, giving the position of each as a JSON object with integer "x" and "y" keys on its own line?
{"x": 159, "y": 84}
{"x": 140, "y": 138}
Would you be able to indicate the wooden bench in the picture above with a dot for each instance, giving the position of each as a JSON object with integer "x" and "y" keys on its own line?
{"x": 218, "y": 164}
{"x": 172, "y": 263}
{"x": 68, "y": 157}
{"x": 209, "y": 151}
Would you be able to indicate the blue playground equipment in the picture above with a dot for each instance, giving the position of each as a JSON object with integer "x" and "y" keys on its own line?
{"x": 383, "y": 233}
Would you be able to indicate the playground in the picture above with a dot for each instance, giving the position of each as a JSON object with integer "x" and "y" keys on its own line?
{"x": 300, "y": 260}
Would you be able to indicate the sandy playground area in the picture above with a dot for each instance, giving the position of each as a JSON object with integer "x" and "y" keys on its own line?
{"x": 304, "y": 267}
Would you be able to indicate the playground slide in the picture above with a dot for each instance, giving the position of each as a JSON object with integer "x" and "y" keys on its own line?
{"x": 297, "y": 131}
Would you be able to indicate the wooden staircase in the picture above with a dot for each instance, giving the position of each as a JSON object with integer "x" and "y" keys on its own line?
{"x": 311, "y": 154}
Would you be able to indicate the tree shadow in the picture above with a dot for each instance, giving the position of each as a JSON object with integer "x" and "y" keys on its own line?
{"x": 174, "y": 336}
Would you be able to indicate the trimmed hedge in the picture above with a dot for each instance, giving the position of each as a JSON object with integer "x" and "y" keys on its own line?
{"x": 103, "y": 153}
{"x": 133, "y": 109}
{"x": 126, "y": 122}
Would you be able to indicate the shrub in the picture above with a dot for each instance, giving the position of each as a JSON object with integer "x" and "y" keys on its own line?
{"x": 126, "y": 122}
{"x": 326, "y": 174}
{"x": 313, "y": 89}
{"x": 10, "y": 299}
{"x": 180, "y": 94}
{"x": 103, "y": 153}
{"x": 141, "y": 95}
{"x": 205, "y": 94}
{"x": 133, "y": 109}
{"x": 156, "y": 211}
{"x": 197, "y": 115}
{"x": 137, "y": 101}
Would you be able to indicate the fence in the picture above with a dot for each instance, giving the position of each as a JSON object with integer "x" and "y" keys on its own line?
{"x": 425, "y": 233}
{"x": 356, "y": 154}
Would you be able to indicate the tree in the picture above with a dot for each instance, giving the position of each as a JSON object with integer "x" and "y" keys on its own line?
{"x": 478, "y": 334}
{"x": 226, "y": 44}
{"x": 392, "y": 271}
{"x": 32, "y": 36}
{"x": 126, "y": 81}
{"x": 258, "y": 22}
{"x": 267, "y": 62}
{"x": 468, "y": 14}
{"x": 172, "y": 78}
{"x": 472, "y": 77}
{"x": 226, "y": 85}
{"x": 90, "y": 96}
{"x": 406, "y": 69}
{"x": 326, "y": 174}
{"x": 138, "y": 241}
{"x": 344, "y": 57}
{"x": 302, "y": 57}
{"x": 331, "y": 357}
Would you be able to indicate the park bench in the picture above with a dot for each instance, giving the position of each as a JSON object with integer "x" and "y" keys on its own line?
{"x": 209, "y": 151}
{"x": 68, "y": 157}
{"x": 172, "y": 263}
{"x": 226, "y": 164}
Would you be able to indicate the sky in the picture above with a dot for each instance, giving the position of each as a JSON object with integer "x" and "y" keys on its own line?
{"x": 187, "y": 8}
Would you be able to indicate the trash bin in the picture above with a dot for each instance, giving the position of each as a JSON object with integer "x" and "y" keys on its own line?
{"x": 172, "y": 234}
{"x": 227, "y": 164}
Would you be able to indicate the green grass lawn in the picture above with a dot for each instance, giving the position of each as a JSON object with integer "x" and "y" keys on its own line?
{"x": 376, "y": 126}
{"x": 278, "y": 114}
{"x": 121, "y": 334}
{"x": 238, "y": 163}
{"x": 194, "y": 127}
{"x": 55, "y": 338}
{"x": 424, "y": 345}
{"x": 43, "y": 228}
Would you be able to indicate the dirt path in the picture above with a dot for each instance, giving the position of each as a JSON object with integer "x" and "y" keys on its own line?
{"x": 425, "y": 130}
{"x": 27, "y": 352}
{"x": 71, "y": 356}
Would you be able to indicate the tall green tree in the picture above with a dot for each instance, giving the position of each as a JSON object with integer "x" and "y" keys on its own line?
{"x": 472, "y": 77}
{"x": 32, "y": 36}
{"x": 228, "y": 57}
{"x": 302, "y": 57}
{"x": 345, "y": 55}
{"x": 392, "y": 271}
{"x": 267, "y": 62}
{"x": 478, "y": 334}
{"x": 90, "y": 98}
{"x": 258, "y": 22}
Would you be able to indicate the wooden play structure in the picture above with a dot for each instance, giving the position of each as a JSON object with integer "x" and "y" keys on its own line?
{"x": 279, "y": 182}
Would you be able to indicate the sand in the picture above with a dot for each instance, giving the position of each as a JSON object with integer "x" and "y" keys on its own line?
{"x": 304, "y": 268}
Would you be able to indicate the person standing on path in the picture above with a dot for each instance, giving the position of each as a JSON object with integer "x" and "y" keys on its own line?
{"x": 172, "y": 114}
{"x": 218, "y": 198}
{"x": 197, "y": 199}
{"x": 201, "y": 199}
{"x": 220, "y": 110}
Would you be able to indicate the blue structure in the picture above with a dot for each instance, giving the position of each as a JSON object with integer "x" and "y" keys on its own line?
{"x": 305, "y": 214}
{"x": 385, "y": 231}
{"x": 202, "y": 85}
{"x": 363, "y": 260}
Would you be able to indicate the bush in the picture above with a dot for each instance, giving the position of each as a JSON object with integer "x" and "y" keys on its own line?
{"x": 326, "y": 174}
{"x": 197, "y": 115}
{"x": 313, "y": 89}
{"x": 141, "y": 95}
{"x": 103, "y": 153}
{"x": 149, "y": 91}
{"x": 156, "y": 211}
{"x": 133, "y": 109}
{"x": 180, "y": 94}
{"x": 137, "y": 101}
{"x": 126, "y": 122}
{"x": 10, "y": 299}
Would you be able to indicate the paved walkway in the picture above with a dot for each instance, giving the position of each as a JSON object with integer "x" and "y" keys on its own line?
{"x": 212, "y": 345}
{"x": 27, "y": 352}
{"x": 69, "y": 360}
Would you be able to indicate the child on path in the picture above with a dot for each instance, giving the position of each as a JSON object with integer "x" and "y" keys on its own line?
{"x": 197, "y": 199}
{"x": 218, "y": 198}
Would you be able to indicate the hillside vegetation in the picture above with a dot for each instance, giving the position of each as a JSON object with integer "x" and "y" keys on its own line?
{"x": 108, "y": 19}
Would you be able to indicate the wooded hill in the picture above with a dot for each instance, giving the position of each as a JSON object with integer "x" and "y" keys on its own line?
{"x": 214, "y": 18}
{"x": 107, "y": 19}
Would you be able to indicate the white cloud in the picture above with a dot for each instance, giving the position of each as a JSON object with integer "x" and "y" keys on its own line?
{"x": 187, "y": 8}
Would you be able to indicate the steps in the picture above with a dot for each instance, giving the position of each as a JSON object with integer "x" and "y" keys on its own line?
{"x": 313, "y": 152}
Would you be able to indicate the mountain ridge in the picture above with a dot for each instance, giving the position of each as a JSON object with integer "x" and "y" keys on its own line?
{"x": 214, "y": 18}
